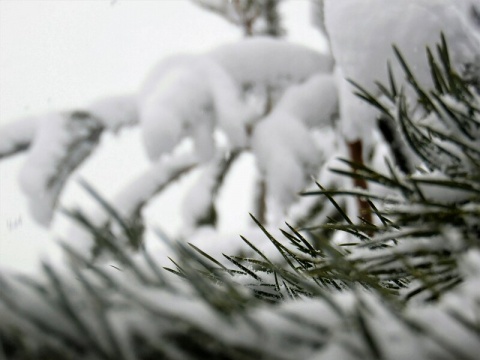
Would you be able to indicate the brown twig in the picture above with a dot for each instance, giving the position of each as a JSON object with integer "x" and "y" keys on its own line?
{"x": 356, "y": 149}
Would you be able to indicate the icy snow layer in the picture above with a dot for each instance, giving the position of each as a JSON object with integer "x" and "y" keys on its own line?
{"x": 362, "y": 34}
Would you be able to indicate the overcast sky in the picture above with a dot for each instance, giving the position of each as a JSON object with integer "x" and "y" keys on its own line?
{"x": 58, "y": 55}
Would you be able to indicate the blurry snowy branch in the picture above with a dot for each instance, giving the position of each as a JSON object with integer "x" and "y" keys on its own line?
{"x": 58, "y": 144}
{"x": 194, "y": 97}
{"x": 318, "y": 15}
{"x": 200, "y": 202}
{"x": 110, "y": 113}
{"x": 128, "y": 204}
{"x": 16, "y": 137}
{"x": 195, "y": 112}
{"x": 255, "y": 17}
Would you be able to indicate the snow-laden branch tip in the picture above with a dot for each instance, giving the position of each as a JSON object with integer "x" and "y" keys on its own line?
{"x": 282, "y": 142}
{"x": 195, "y": 95}
{"x": 16, "y": 137}
{"x": 61, "y": 144}
{"x": 186, "y": 96}
{"x": 58, "y": 144}
{"x": 199, "y": 203}
{"x": 191, "y": 95}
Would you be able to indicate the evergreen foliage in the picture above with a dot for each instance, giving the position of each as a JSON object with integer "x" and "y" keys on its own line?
{"x": 403, "y": 286}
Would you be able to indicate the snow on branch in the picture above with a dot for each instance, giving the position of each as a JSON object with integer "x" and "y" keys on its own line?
{"x": 190, "y": 96}
{"x": 286, "y": 156}
{"x": 318, "y": 15}
{"x": 270, "y": 63}
{"x": 283, "y": 144}
{"x": 112, "y": 112}
{"x": 186, "y": 96}
{"x": 16, "y": 136}
{"x": 115, "y": 112}
{"x": 128, "y": 204}
{"x": 58, "y": 143}
{"x": 315, "y": 101}
{"x": 199, "y": 204}
{"x": 134, "y": 196}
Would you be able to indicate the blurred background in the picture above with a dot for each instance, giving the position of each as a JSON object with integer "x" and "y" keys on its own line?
{"x": 59, "y": 55}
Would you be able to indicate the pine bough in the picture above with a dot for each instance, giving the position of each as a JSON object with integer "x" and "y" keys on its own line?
{"x": 404, "y": 286}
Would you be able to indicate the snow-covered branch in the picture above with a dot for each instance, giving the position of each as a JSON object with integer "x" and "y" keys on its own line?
{"x": 16, "y": 136}
{"x": 260, "y": 17}
{"x": 199, "y": 204}
{"x": 189, "y": 96}
{"x": 134, "y": 196}
{"x": 115, "y": 112}
{"x": 128, "y": 204}
{"x": 58, "y": 143}
{"x": 318, "y": 15}
{"x": 112, "y": 113}
{"x": 61, "y": 143}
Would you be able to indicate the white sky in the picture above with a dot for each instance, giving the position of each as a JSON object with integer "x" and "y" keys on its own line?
{"x": 59, "y": 54}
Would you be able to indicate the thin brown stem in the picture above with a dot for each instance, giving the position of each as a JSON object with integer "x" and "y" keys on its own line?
{"x": 356, "y": 148}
